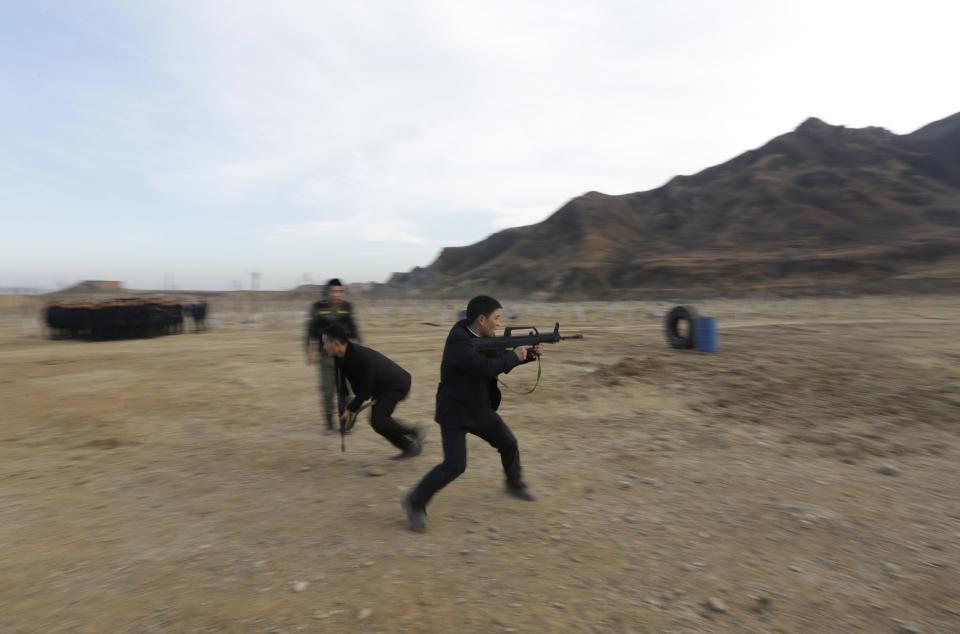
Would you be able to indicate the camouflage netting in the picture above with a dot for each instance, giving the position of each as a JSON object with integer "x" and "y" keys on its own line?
{"x": 115, "y": 318}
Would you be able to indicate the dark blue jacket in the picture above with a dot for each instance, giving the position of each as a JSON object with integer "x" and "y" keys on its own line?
{"x": 371, "y": 375}
{"x": 468, "y": 378}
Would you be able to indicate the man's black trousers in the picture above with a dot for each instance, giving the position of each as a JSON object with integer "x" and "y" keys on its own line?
{"x": 382, "y": 421}
{"x": 487, "y": 425}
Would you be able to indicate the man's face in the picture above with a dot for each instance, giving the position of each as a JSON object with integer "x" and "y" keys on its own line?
{"x": 332, "y": 347}
{"x": 487, "y": 325}
{"x": 335, "y": 294}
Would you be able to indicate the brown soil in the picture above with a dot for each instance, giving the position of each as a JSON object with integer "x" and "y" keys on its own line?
{"x": 181, "y": 484}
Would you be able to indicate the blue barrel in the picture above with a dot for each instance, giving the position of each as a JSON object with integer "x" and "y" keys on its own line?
{"x": 705, "y": 334}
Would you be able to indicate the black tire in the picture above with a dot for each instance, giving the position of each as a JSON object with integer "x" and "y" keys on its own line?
{"x": 674, "y": 317}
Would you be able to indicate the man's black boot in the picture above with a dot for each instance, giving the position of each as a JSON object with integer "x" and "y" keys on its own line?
{"x": 415, "y": 448}
{"x": 522, "y": 492}
{"x": 416, "y": 517}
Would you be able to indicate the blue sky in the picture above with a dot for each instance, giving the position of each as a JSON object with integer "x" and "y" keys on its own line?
{"x": 194, "y": 142}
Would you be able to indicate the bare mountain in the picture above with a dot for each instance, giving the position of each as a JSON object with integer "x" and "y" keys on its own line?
{"x": 820, "y": 209}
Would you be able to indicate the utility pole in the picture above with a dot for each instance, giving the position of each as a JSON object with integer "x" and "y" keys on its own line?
{"x": 254, "y": 287}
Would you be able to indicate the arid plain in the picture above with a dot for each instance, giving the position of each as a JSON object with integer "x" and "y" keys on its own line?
{"x": 804, "y": 478}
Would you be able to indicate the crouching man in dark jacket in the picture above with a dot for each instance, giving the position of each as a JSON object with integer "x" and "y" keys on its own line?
{"x": 467, "y": 400}
{"x": 372, "y": 375}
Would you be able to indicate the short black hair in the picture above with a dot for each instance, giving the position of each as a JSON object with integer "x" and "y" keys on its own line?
{"x": 336, "y": 332}
{"x": 481, "y": 305}
{"x": 334, "y": 282}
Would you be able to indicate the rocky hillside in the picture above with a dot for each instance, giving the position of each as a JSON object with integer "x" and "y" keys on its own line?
{"x": 823, "y": 208}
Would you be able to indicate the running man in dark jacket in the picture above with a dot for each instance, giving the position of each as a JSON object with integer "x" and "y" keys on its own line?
{"x": 467, "y": 402}
{"x": 372, "y": 375}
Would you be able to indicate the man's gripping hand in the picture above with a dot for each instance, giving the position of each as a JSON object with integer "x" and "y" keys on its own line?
{"x": 528, "y": 353}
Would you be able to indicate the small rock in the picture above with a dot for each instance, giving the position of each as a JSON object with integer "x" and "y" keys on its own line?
{"x": 652, "y": 482}
{"x": 367, "y": 564}
{"x": 623, "y": 484}
{"x": 693, "y": 566}
{"x": 299, "y": 586}
{"x": 893, "y": 570}
{"x": 888, "y": 470}
{"x": 907, "y": 628}
{"x": 716, "y": 605}
{"x": 761, "y": 604}
{"x": 796, "y": 568}
{"x": 364, "y": 614}
{"x": 374, "y": 471}
{"x": 560, "y": 606}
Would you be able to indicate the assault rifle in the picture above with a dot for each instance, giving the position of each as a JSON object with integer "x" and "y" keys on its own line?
{"x": 509, "y": 341}
{"x": 342, "y": 407}
{"x": 346, "y": 427}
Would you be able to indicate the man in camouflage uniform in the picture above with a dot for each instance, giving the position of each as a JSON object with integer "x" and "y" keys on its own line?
{"x": 333, "y": 309}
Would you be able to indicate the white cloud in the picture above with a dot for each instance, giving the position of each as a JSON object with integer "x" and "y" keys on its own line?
{"x": 352, "y": 230}
{"x": 418, "y": 122}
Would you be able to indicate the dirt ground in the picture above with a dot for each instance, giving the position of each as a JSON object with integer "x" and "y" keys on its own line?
{"x": 804, "y": 478}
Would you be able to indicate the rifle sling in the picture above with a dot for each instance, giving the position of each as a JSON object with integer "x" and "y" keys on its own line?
{"x": 530, "y": 391}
